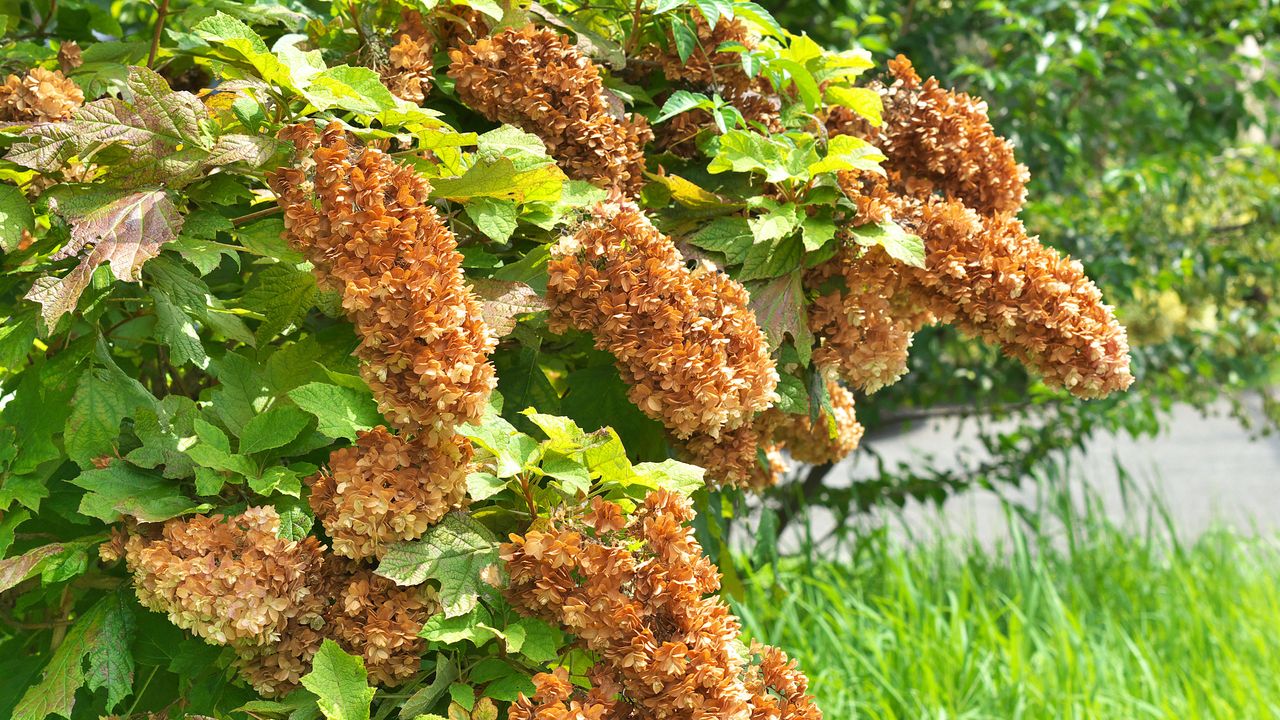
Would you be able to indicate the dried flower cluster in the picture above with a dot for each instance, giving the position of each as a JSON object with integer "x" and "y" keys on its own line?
{"x": 39, "y": 96}
{"x": 233, "y": 581}
{"x": 409, "y": 64}
{"x": 534, "y": 79}
{"x": 940, "y": 141}
{"x": 374, "y": 237}
{"x": 836, "y": 435}
{"x": 685, "y": 340}
{"x": 747, "y": 457}
{"x": 228, "y": 580}
{"x": 956, "y": 184}
{"x": 640, "y": 594}
{"x": 711, "y": 70}
{"x": 387, "y": 489}
{"x": 866, "y": 322}
{"x": 556, "y": 698}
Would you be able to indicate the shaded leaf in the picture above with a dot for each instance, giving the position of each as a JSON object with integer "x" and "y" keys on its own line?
{"x": 120, "y": 490}
{"x": 340, "y": 683}
{"x": 779, "y": 307}
{"x": 16, "y": 569}
{"x": 15, "y": 217}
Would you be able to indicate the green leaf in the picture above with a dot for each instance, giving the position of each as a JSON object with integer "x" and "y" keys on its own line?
{"x": 241, "y": 393}
{"x": 817, "y": 230}
{"x": 446, "y": 671}
{"x": 283, "y": 295}
{"x": 897, "y": 242}
{"x": 846, "y": 152}
{"x": 864, "y": 101}
{"x": 274, "y": 428}
{"x": 125, "y": 233}
{"x": 357, "y": 89}
{"x": 17, "y": 334}
{"x": 104, "y": 397}
{"x": 163, "y": 430}
{"x": 504, "y": 301}
{"x": 541, "y": 641}
{"x": 672, "y": 475}
{"x": 16, "y": 569}
{"x": 690, "y": 195}
{"x": 120, "y": 490}
{"x": 453, "y": 552}
{"x": 780, "y": 308}
{"x": 759, "y": 18}
{"x": 682, "y": 101}
{"x": 100, "y": 639}
{"x": 563, "y": 433}
{"x": 295, "y": 520}
{"x": 493, "y": 217}
{"x": 732, "y": 236}
{"x": 340, "y": 682}
{"x": 15, "y": 217}
{"x": 213, "y": 451}
{"x": 713, "y": 10}
{"x": 745, "y": 151}
{"x": 794, "y": 395}
{"x": 525, "y": 149}
{"x": 341, "y": 411}
{"x": 178, "y": 332}
{"x": 771, "y": 258}
{"x": 482, "y": 485}
{"x": 474, "y": 626}
{"x": 513, "y": 451}
{"x": 498, "y": 177}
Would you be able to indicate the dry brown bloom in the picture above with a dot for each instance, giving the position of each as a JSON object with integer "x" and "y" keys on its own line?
{"x": 993, "y": 281}
{"x": 69, "y": 56}
{"x": 39, "y": 96}
{"x": 836, "y": 436}
{"x": 685, "y": 340}
{"x": 534, "y": 79}
{"x": 865, "y": 322}
{"x": 779, "y": 689}
{"x": 643, "y": 598}
{"x": 746, "y": 457}
{"x": 409, "y": 66}
{"x": 556, "y": 698}
{"x": 276, "y": 668}
{"x": 365, "y": 223}
{"x": 373, "y": 618}
{"x": 229, "y": 580}
{"x": 940, "y": 141}
{"x": 713, "y": 71}
{"x": 387, "y": 489}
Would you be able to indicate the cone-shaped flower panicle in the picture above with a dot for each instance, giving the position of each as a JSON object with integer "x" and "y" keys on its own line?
{"x": 684, "y": 339}
{"x": 230, "y": 580}
{"x": 641, "y": 595}
{"x": 407, "y": 73}
{"x": 835, "y": 436}
{"x": 746, "y": 457}
{"x": 387, "y": 489}
{"x": 535, "y": 79}
{"x": 364, "y": 222}
{"x": 374, "y": 618}
{"x": 940, "y": 141}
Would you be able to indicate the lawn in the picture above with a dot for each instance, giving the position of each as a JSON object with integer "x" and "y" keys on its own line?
{"x": 1093, "y": 622}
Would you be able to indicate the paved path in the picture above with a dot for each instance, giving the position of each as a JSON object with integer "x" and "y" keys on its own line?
{"x": 1207, "y": 470}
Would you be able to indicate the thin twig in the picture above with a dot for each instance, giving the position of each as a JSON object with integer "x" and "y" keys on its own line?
{"x": 161, "y": 13}
{"x": 266, "y": 212}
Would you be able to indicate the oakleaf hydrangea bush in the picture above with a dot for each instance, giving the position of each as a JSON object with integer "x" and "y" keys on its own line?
{"x": 371, "y": 359}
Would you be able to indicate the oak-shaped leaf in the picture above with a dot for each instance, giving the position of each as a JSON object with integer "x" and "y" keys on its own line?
{"x": 504, "y": 301}
{"x": 151, "y": 135}
{"x": 779, "y": 307}
{"x": 124, "y": 232}
{"x": 456, "y": 552}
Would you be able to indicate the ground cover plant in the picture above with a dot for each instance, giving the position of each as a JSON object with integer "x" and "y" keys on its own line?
{"x": 401, "y": 359}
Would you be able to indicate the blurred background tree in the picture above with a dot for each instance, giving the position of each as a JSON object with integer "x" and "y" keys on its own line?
{"x": 1150, "y": 129}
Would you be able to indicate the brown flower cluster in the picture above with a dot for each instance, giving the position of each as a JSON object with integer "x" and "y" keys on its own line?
{"x": 837, "y": 434}
{"x": 39, "y": 96}
{"x": 556, "y": 698}
{"x": 409, "y": 66}
{"x": 641, "y": 595}
{"x": 233, "y": 581}
{"x": 365, "y": 223}
{"x": 956, "y": 184}
{"x": 534, "y": 79}
{"x": 746, "y": 457}
{"x": 685, "y": 340}
{"x": 387, "y": 489}
{"x": 940, "y": 141}
{"x": 993, "y": 281}
{"x": 711, "y": 70}
{"x": 865, "y": 323}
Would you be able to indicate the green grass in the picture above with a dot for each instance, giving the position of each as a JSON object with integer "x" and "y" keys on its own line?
{"x": 1092, "y": 622}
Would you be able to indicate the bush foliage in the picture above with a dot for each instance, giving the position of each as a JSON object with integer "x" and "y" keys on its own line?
{"x": 309, "y": 306}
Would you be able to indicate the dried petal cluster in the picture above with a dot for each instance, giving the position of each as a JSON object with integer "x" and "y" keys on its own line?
{"x": 747, "y": 457}
{"x": 365, "y": 223}
{"x": 39, "y": 96}
{"x": 685, "y": 340}
{"x": 709, "y": 69}
{"x": 835, "y": 437}
{"x": 641, "y": 596}
{"x": 534, "y": 79}
{"x": 230, "y": 580}
{"x": 387, "y": 489}
{"x": 956, "y": 184}
{"x": 993, "y": 281}
{"x": 233, "y": 581}
{"x": 940, "y": 141}
{"x": 865, "y": 323}
{"x": 409, "y": 64}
